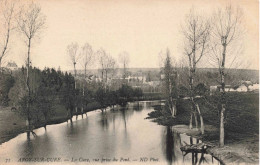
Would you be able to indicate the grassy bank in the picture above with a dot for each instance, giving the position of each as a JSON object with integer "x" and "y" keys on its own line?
{"x": 12, "y": 124}
{"x": 241, "y": 125}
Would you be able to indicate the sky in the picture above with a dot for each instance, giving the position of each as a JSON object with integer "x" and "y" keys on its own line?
{"x": 142, "y": 28}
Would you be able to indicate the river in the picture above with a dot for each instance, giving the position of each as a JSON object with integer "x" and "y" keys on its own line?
{"x": 119, "y": 136}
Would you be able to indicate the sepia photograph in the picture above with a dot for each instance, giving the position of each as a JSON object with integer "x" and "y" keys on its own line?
{"x": 134, "y": 82}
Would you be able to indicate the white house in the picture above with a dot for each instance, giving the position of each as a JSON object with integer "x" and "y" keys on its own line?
{"x": 217, "y": 88}
{"x": 12, "y": 65}
{"x": 213, "y": 88}
{"x": 138, "y": 78}
{"x": 254, "y": 87}
{"x": 242, "y": 88}
{"x": 154, "y": 83}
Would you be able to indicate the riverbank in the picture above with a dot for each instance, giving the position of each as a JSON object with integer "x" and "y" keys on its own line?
{"x": 244, "y": 151}
{"x": 242, "y": 130}
{"x": 12, "y": 124}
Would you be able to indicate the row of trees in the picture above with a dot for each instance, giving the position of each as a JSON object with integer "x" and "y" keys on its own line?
{"x": 51, "y": 89}
{"x": 86, "y": 56}
{"x": 214, "y": 39}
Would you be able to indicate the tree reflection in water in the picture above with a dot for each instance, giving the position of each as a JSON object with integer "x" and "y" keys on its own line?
{"x": 104, "y": 120}
{"x": 172, "y": 143}
{"x": 28, "y": 148}
{"x": 138, "y": 107}
{"x": 124, "y": 118}
{"x": 170, "y": 155}
{"x": 34, "y": 147}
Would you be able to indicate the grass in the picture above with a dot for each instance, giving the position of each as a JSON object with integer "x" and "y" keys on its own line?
{"x": 242, "y": 115}
{"x": 241, "y": 124}
{"x": 12, "y": 124}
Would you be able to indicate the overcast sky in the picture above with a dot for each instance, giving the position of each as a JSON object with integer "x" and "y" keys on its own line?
{"x": 141, "y": 27}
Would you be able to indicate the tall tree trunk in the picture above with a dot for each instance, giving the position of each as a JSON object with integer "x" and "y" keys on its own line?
{"x": 223, "y": 99}
{"x": 83, "y": 91}
{"x": 82, "y": 112}
{"x": 83, "y": 99}
{"x": 194, "y": 106}
{"x": 196, "y": 120}
{"x": 45, "y": 122}
{"x": 191, "y": 77}
{"x": 201, "y": 119}
{"x": 170, "y": 97}
{"x": 175, "y": 109}
{"x": 71, "y": 114}
{"x": 190, "y": 126}
{"x": 75, "y": 74}
{"x": 29, "y": 89}
{"x": 67, "y": 115}
{"x": 222, "y": 131}
{"x": 222, "y": 111}
{"x": 192, "y": 64}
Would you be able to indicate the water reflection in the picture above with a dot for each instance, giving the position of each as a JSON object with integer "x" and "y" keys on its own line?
{"x": 122, "y": 132}
{"x": 104, "y": 120}
{"x": 170, "y": 156}
{"x": 172, "y": 142}
{"x": 138, "y": 106}
{"x": 171, "y": 145}
{"x": 27, "y": 148}
{"x": 36, "y": 147}
{"x": 123, "y": 112}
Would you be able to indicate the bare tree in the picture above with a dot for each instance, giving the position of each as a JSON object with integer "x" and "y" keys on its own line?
{"x": 110, "y": 67}
{"x": 31, "y": 22}
{"x": 107, "y": 64}
{"x": 101, "y": 59}
{"x": 124, "y": 59}
{"x": 74, "y": 55}
{"x": 169, "y": 83}
{"x": 225, "y": 39}
{"x": 8, "y": 25}
{"x": 196, "y": 31}
{"x": 87, "y": 60}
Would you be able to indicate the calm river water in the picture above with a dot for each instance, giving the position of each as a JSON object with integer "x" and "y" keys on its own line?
{"x": 120, "y": 136}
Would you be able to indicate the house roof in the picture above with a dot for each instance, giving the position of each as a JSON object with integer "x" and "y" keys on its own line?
{"x": 11, "y": 64}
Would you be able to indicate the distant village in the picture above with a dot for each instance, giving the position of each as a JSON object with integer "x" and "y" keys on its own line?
{"x": 150, "y": 81}
{"x": 246, "y": 86}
